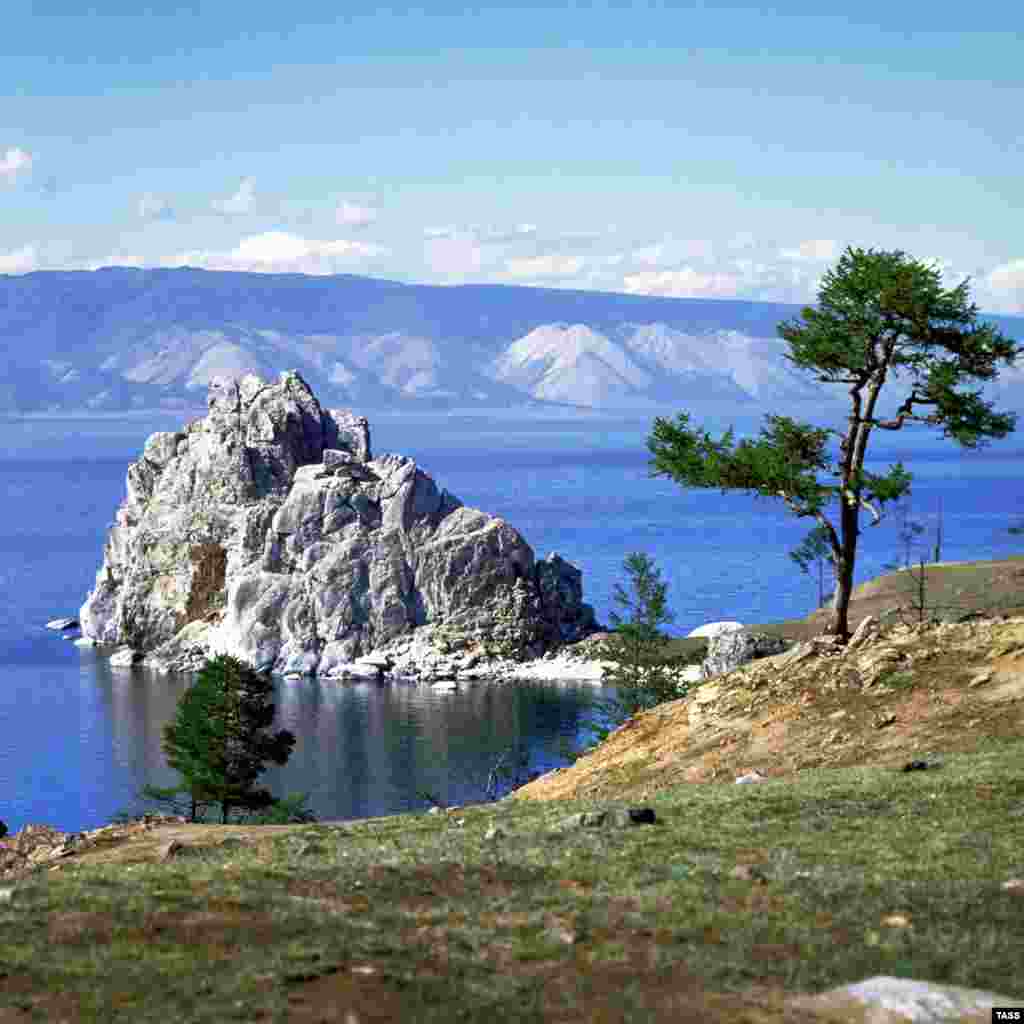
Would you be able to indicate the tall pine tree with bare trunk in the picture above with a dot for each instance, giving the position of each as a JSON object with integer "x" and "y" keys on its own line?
{"x": 880, "y": 315}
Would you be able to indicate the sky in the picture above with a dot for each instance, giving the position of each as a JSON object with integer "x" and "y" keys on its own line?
{"x": 683, "y": 149}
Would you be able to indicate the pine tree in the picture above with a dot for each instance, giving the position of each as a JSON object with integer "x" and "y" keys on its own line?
{"x": 219, "y": 740}
{"x": 881, "y": 316}
{"x": 642, "y": 670}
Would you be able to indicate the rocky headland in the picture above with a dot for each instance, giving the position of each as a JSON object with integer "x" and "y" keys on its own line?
{"x": 268, "y": 530}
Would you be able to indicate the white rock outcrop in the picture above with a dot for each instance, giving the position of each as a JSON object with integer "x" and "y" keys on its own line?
{"x": 267, "y": 530}
{"x": 906, "y": 1001}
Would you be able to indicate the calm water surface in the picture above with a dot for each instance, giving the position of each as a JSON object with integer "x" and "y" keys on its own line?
{"x": 78, "y": 739}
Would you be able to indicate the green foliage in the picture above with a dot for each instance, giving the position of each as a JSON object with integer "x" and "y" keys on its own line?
{"x": 219, "y": 740}
{"x": 881, "y": 310}
{"x": 881, "y": 316}
{"x": 643, "y": 671}
{"x": 784, "y": 459}
{"x": 774, "y": 466}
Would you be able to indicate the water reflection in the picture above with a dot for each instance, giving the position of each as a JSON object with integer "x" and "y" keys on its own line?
{"x": 362, "y": 749}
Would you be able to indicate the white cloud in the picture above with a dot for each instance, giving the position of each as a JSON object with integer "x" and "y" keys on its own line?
{"x": 19, "y": 261}
{"x": 815, "y": 250}
{"x": 447, "y": 231}
{"x": 150, "y": 207}
{"x": 533, "y": 267}
{"x": 354, "y": 215}
{"x": 14, "y": 163}
{"x": 683, "y": 283}
{"x": 1003, "y": 288}
{"x": 240, "y": 202}
{"x": 282, "y": 252}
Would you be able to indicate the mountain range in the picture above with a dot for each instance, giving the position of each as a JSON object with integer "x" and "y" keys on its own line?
{"x": 119, "y": 339}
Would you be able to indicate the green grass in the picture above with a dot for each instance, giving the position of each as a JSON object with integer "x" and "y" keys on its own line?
{"x": 840, "y": 851}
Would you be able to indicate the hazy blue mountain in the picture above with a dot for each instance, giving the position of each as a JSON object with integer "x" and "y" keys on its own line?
{"x": 123, "y": 338}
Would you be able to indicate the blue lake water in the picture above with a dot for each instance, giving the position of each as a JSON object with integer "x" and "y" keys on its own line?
{"x": 77, "y": 739}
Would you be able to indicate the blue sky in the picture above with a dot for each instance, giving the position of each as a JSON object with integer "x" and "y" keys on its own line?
{"x": 671, "y": 149}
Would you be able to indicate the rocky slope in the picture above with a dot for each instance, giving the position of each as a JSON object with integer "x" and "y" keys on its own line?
{"x": 895, "y": 695}
{"x": 267, "y": 530}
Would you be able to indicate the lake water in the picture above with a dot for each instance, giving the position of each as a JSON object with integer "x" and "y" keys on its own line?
{"x": 78, "y": 740}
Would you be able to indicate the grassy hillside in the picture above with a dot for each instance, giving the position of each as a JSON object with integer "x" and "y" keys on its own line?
{"x": 840, "y": 866}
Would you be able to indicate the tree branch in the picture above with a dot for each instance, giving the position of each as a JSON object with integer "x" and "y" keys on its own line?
{"x": 876, "y": 516}
{"x": 906, "y": 412}
{"x": 859, "y": 499}
{"x": 897, "y": 423}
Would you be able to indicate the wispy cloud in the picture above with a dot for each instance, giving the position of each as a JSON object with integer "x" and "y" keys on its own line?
{"x": 240, "y": 202}
{"x": 151, "y": 207}
{"x": 1002, "y": 288}
{"x": 15, "y": 163}
{"x": 741, "y": 266}
{"x": 354, "y": 215}
{"x": 282, "y": 252}
{"x": 685, "y": 282}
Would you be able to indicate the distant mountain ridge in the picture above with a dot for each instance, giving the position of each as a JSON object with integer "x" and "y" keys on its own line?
{"x": 121, "y": 338}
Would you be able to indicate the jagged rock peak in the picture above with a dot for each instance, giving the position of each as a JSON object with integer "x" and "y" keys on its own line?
{"x": 267, "y": 530}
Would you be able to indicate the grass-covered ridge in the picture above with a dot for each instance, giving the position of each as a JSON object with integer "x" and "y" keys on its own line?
{"x": 744, "y": 891}
{"x": 839, "y": 867}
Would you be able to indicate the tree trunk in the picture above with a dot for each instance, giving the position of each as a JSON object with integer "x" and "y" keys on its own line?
{"x": 838, "y": 622}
